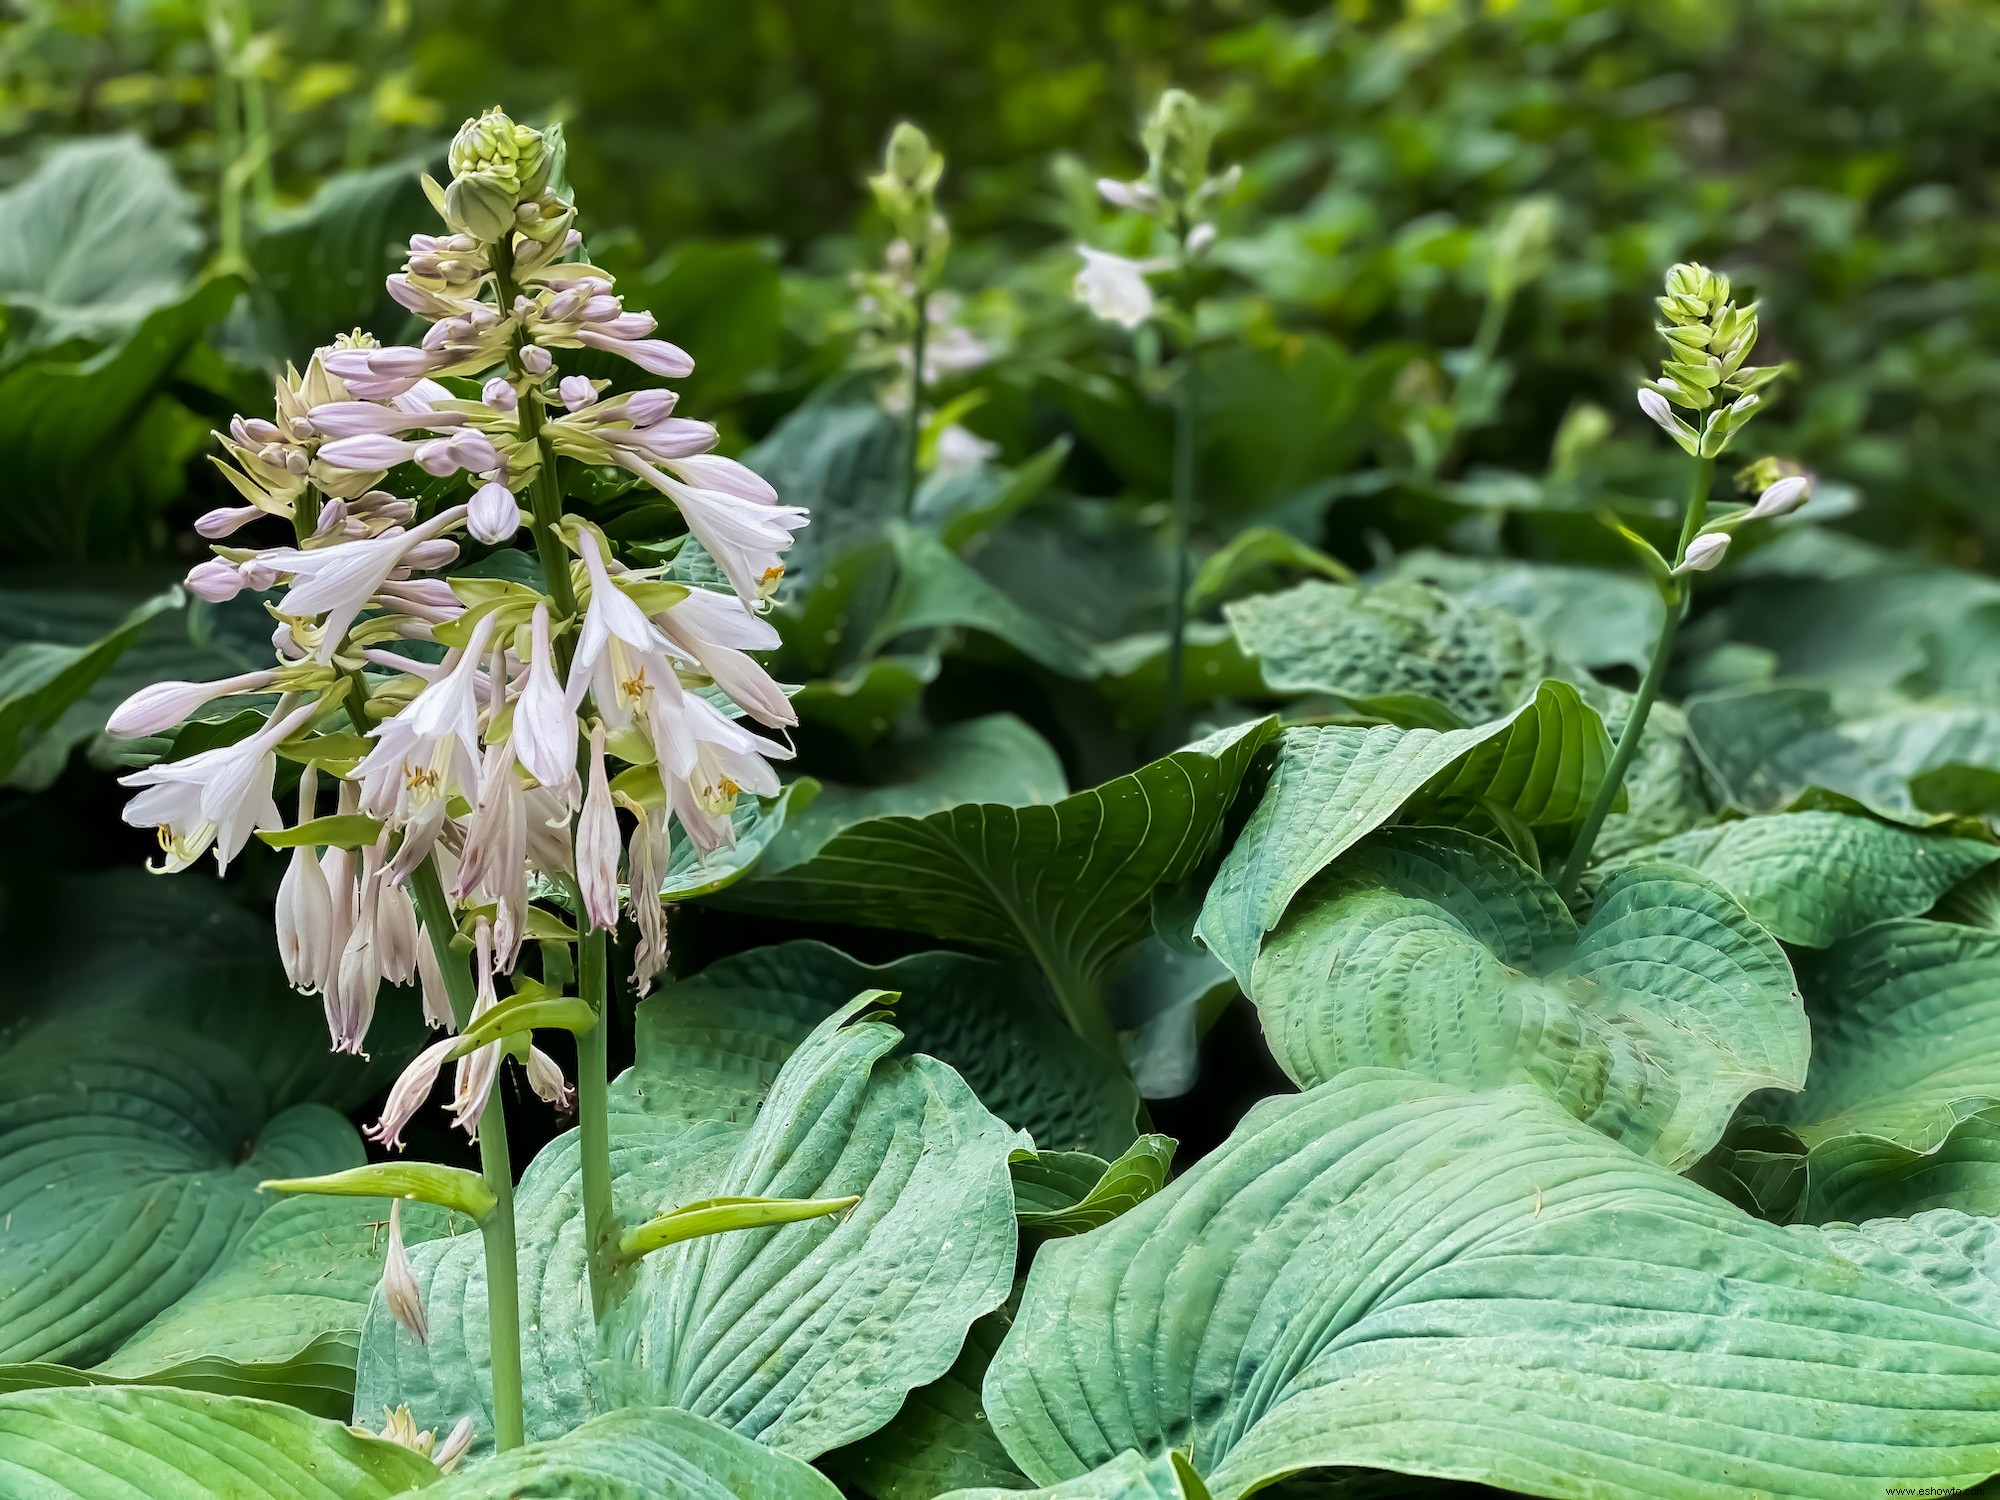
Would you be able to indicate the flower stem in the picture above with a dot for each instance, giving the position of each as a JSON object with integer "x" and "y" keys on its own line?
{"x": 916, "y": 434}
{"x": 593, "y": 1119}
{"x": 1173, "y": 706}
{"x": 503, "y": 1279}
{"x": 1649, "y": 690}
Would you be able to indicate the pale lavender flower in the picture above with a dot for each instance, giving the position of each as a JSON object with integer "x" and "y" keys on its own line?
{"x": 495, "y": 857}
{"x": 305, "y": 905}
{"x": 715, "y": 630}
{"x": 400, "y": 1292}
{"x": 544, "y": 736}
{"x": 227, "y": 520}
{"x": 472, "y": 1084}
{"x": 577, "y": 391}
{"x": 492, "y": 516}
{"x": 545, "y": 1077}
{"x": 160, "y": 706}
{"x": 499, "y": 394}
{"x": 218, "y": 797}
{"x": 409, "y": 1092}
{"x": 454, "y": 1447}
{"x": 433, "y": 744}
{"x": 217, "y": 580}
{"x": 338, "y": 581}
{"x": 597, "y": 842}
{"x": 611, "y": 616}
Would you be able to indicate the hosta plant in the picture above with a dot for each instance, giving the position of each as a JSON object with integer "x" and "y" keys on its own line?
{"x": 1626, "y": 973}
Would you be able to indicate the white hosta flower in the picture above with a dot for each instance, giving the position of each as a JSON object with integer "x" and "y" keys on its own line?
{"x": 305, "y": 906}
{"x": 492, "y": 517}
{"x": 454, "y": 1447}
{"x": 432, "y": 745}
{"x": 442, "y": 456}
{"x": 544, "y": 736}
{"x": 714, "y": 631}
{"x": 611, "y": 616}
{"x": 359, "y": 422}
{"x": 545, "y": 1077}
{"x": 744, "y": 536}
{"x": 549, "y": 850}
{"x": 1139, "y": 197}
{"x": 217, "y": 798}
{"x": 399, "y": 939}
{"x": 1656, "y": 406}
{"x": 960, "y": 451}
{"x": 597, "y": 842}
{"x": 1782, "y": 498}
{"x": 1114, "y": 286}
{"x": 646, "y": 856}
{"x": 162, "y": 705}
{"x": 727, "y": 760}
{"x": 472, "y": 1083}
{"x": 495, "y": 858}
{"x": 408, "y": 1094}
{"x": 437, "y": 998}
{"x": 357, "y": 978}
{"x": 1704, "y": 552}
{"x": 338, "y": 581}
{"x": 400, "y": 1292}
{"x": 400, "y": 1428}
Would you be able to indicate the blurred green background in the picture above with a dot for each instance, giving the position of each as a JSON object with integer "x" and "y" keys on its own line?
{"x": 198, "y": 190}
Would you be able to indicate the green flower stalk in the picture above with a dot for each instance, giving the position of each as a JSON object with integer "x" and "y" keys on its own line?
{"x": 478, "y": 798}
{"x": 899, "y": 299}
{"x": 1177, "y": 192}
{"x": 1709, "y": 338}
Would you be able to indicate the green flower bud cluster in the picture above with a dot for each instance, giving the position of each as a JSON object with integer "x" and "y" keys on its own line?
{"x": 906, "y": 192}
{"x": 1177, "y": 139}
{"x": 1708, "y": 338}
{"x": 501, "y": 176}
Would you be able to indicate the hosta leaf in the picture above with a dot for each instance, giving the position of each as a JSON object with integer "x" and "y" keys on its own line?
{"x": 1778, "y": 868}
{"x": 935, "y": 590}
{"x": 143, "y": 1443}
{"x": 1135, "y": 674}
{"x": 757, "y": 821}
{"x": 869, "y": 701}
{"x": 98, "y": 236}
{"x": 641, "y": 1454}
{"x": 1906, "y": 1058}
{"x": 1399, "y": 650}
{"x": 1333, "y": 786}
{"x": 1068, "y": 1192}
{"x": 1440, "y": 953}
{"x": 941, "y": 1439}
{"x": 1065, "y": 884}
{"x": 1387, "y": 1273}
{"x": 808, "y": 1336}
{"x": 805, "y": 1336}
{"x": 280, "y": 1316}
{"x": 842, "y": 457}
{"x": 1767, "y": 745}
{"x": 1953, "y": 1254}
{"x": 1597, "y": 617}
{"x": 130, "y": 1152}
{"x": 992, "y": 1021}
{"x": 39, "y": 682}
{"x": 1126, "y": 1477}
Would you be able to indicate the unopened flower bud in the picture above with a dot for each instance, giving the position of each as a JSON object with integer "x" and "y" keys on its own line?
{"x": 536, "y": 360}
{"x": 1703, "y": 553}
{"x": 1783, "y": 497}
{"x": 454, "y": 1447}
{"x": 225, "y": 521}
{"x": 1177, "y": 138}
{"x": 216, "y": 580}
{"x": 577, "y": 391}
{"x": 499, "y": 395}
{"x": 159, "y": 707}
{"x": 492, "y": 517}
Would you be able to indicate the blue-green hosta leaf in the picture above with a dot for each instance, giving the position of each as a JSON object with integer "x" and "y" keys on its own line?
{"x": 1956, "y": 1255}
{"x": 962, "y": 506}
{"x": 1400, "y": 650}
{"x": 1388, "y": 1273}
{"x": 1067, "y": 1192}
{"x": 1442, "y": 954}
{"x": 1213, "y": 667}
{"x": 1779, "y": 868}
{"x": 991, "y": 1021}
{"x": 95, "y": 239}
{"x": 1597, "y": 617}
{"x": 144, "y": 1443}
{"x": 1766, "y": 745}
{"x": 941, "y": 1439}
{"x": 641, "y": 1454}
{"x": 842, "y": 457}
{"x": 808, "y": 1336}
{"x": 40, "y": 681}
{"x": 130, "y": 1152}
{"x": 869, "y": 701}
{"x": 280, "y": 1315}
{"x": 804, "y": 1336}
{"x": 1333, "y": 786}
{"x": 1065, "y": 884}
{"x": 1906, "y": 1066}
{"x": 1126, "y": 1477}
{"x": 1254, "y": 554}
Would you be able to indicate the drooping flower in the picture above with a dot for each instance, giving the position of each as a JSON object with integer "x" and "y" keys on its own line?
{"x": 715, "y": 630}
{"x": 432, "y": 745}
{"x": 544, "y": 719}
{"x": 338, "y": 581}
{"x": 472, "y": 1083}
{"x": 400, "y": 1292}
{"x": 597, "y": 841}
{"x": 305, "y": 906}
{"x": 407, "y": 1095}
